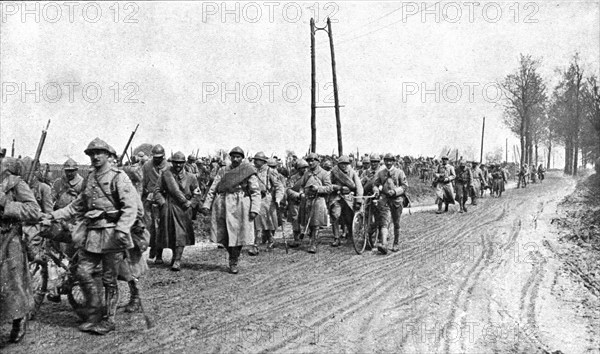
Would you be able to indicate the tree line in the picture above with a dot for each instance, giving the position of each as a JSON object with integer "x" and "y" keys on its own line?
{"x": 567, "y": 116}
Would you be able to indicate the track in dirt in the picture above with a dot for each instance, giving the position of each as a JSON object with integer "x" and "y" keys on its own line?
{"x": 433, "y": 295}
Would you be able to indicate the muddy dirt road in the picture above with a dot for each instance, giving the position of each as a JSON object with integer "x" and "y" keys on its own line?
{"x": 487, "y": 281}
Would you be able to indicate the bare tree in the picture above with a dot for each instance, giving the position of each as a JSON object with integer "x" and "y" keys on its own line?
{"x": 525, "y": 94}
{"x": 568, "y": 106}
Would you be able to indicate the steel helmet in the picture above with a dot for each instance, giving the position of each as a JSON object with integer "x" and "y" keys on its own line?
{"x": 272, "y": 163}
{"x": 191, "y": 158}
{"x": 260, "y": 156}
{"x": 236, "y": 150}
{"x": 158, "y": 151}
{"x": 98, "y": 144}
{"x": 301, "y": 164}
{"x": 177, "y": 157}
{"x": 70, "y": 165}
{"x": 343, "y": 159}
{"x": 312, "y": 156}
{"x": 375, "y": 158}
{"x": 389, "y": 156}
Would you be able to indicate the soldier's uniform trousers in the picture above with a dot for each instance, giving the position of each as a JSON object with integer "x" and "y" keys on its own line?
{"x": 389, "y": 210}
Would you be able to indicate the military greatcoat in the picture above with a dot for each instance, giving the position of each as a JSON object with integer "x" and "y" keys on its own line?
{"x": 172, "y": 191}
{"x": 16, "y": 297}
{"x": 316, "y": 206}
{"x": 272, "y": 191}
{"x": 230, "y": 223}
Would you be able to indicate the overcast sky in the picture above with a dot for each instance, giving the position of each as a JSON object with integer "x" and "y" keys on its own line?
{"x": 195, "y": 76}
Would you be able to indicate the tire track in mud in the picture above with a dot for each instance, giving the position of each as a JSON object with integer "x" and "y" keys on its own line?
{"x": 196, "y": 309}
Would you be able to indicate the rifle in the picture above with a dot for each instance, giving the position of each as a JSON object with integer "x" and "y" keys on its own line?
{"x": 38, "y": 152}
{"x": 120, "y": 160}
{"x": 12, "y": 152}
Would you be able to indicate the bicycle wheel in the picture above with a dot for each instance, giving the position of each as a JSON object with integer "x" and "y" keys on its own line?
{"x": 77, "y": 300}
{"x": 39, "y": 284}
{"x": 359, "y": 234}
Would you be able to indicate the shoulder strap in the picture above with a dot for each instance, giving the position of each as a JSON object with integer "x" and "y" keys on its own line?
{"x": 113, "y": 197}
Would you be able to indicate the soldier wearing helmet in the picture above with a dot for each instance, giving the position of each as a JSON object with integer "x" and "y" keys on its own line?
{"x": 347, "y": 187}
{"x": 67, "y": 188}
{"x": 442, "y": 182}
{"x": 191, "y": 167}
{"x": 17, "y": 205}
{"x": 235, "y": 200}
{"x": 174, "y": 192}
{"x": 523, "y": 176}
{"x": 316, "y": 186}
{"x": 109, "y": 205}
{"x": 463, "y": 184}
{"x": 296, "y": 203}
{"x": 271, "y": 190}
{"x": 150, "y": 173}
{"x": 365, "y": 167}
{"x": 391, "y": 184}
{"x": 327, "y": 165}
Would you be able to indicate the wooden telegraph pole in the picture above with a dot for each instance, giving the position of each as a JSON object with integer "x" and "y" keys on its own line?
{"x": 313, "y": 90}
{"x": 506, "y": 151}
{"x": 482, "y": 135}
{"x": 313, "y": 105}
{"x": 338, "y": 123}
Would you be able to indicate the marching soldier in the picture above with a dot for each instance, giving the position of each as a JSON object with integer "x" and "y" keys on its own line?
{"x": 173, "y": 192}
{"x": 478, "y": 183}
{"x": 523, "y": 174}
{"x": 109, "y": 206}
{"x": 135, "y": 171}
{"x": 271, "y": 191}
{"x": 151, "y": 172}
{"x": 191, "y": 167}
{"x": 366, "y": 166}
{"x": 391, "y": 184}
{"x": 235, "y": 200}
{"x": 296, "y": 204}
{"x": 443, "y": 185}
{"x": 68, "y": 187}
{"x": 316, "y": 186}
{"x": 17, "y": 205}
{"x": 464, "y": 181}
{"x": 346, "y": 186}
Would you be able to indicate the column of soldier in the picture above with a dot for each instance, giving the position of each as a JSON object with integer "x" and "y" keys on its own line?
{"x": 114, "y": 214}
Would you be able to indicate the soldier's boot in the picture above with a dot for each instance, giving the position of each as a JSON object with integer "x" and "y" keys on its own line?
{"x": 94, "y": 310}
{"x": 396, "y": 248}
{"x": 270, "y": 239}
{"x": 439, "y": 211}
{"x": 108, "y": 325}
{"x": 296, "y": 242}
{"x": 134, "y": 304}
{"x": 314, "y": 234}
{"x": 19, "y": 327}
{"x": 446, "y": 207}
{"x": 464, "y": 204}
{"x": 159, "y": 253}
{"x": 474, "y": 199}
{"x": 382, "y": 248}
{"x": 177, "y": 253}
{"x": 253, "y": 251}
{"x": 335, "y": 227}
{"x": 234, "y": 256}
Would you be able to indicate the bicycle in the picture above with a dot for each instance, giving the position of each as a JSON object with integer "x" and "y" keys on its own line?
{"x": 52, "y": 256}
{"x": 362, "y": 222}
